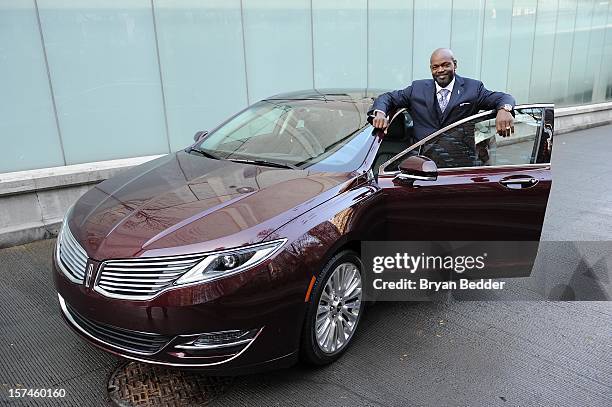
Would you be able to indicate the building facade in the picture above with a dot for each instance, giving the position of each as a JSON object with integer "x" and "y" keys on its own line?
{"x": 94, "y": 80}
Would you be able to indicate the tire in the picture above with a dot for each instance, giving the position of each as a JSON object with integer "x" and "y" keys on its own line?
{"x": 322, "y": 339}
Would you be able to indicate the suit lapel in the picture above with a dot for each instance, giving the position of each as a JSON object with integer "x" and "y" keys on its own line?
{"x": 458, "y": 92}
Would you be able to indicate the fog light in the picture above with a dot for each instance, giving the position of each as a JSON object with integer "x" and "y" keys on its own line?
{"x": 224, "y": 339}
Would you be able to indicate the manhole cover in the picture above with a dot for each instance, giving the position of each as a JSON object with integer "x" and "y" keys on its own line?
{"x": 139, "y": 384}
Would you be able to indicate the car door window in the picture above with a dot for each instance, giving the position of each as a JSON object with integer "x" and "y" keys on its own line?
{"x": 399, "y": 136}
{"x": 475, "y": 143}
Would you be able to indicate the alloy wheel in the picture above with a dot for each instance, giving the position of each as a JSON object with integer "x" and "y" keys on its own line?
{"x": 338, "y": 309}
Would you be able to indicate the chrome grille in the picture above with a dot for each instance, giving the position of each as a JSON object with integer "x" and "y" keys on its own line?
{"x": 145, "y": 343}
{"x": 72, "y": 256}
{"x": 142, "y": 278}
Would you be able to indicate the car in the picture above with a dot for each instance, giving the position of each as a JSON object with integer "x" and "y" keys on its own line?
{"x": 243, "y": 252}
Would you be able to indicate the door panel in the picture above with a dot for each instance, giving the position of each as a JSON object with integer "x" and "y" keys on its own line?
{"x": 467, "y": 204}
{"x": 488, "y": 188}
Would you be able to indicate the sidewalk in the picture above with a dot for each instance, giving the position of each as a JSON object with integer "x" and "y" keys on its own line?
{"x": 448, "y": 353}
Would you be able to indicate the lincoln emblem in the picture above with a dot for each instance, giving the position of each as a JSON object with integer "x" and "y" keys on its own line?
{"x": 89, "y": 274}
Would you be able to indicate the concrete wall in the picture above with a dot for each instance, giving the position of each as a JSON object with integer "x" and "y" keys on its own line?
{"x": 33, "y": 203}
{"x": 582, "y": 117}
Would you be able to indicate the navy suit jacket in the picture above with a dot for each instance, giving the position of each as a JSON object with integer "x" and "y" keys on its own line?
{"x": 469, "y": 96}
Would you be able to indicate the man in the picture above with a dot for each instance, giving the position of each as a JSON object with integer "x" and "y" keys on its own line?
{"x": 434, "y": 104}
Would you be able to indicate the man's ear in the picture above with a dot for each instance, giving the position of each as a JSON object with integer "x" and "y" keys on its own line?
{"x": 455, "y": 62}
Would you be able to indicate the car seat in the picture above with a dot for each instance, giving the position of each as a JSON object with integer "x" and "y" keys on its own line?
{"x": 400, "y": 136}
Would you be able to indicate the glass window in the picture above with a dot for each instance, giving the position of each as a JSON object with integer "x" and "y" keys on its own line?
{"x": 202, "y": 64}
{"x": 279, "y": 31}
{"x": 607, "y": 58}
{"x": 432, "y": 29}
{"x": 476, "y": 143}
{"x": 580, "y": 85}
{"x": 561, "y": 61}
{"x": 543, "y": 51}
{"x": 595, "y": 72}
{"x": 390, "y": 19}
{"x": 339, "y": 38}
{"x": 248, "y": 125}
{"x": 521, "y": 48}
{"x": 466, "y": 41}
{"x": 105, "y": 76}
{"x": 322, "y": 135}
{"x": 496, "y": 44}
{"x": 26, "y": 113}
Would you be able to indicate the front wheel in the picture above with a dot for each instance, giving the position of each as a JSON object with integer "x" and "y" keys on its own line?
{"x": 334, "y": 309}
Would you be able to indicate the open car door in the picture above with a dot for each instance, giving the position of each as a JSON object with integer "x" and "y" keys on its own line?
{"x": 474, "y": 185}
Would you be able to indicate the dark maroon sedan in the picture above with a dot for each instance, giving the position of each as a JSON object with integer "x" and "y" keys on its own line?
{"x": 242, "y": 252}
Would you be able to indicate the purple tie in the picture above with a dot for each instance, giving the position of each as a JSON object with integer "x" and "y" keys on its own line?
{"x": 443, "y": 98}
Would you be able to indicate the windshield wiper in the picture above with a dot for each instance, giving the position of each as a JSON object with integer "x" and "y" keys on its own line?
{"x": 240, "y": 160}
{"x": 265, "y": 163}
{"x": 202, "y": 152}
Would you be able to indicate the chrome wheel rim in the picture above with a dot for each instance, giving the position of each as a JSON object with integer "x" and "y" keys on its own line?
{"x": 338, "y": 309}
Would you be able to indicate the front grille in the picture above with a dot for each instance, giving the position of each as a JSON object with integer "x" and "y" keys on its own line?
{"x": 142, "y": 278}
{"x": 134, "y": 341}
{"x": 72, "y": 256}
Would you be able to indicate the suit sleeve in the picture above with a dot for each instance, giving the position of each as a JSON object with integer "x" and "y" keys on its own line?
{"x": 489, "y": 100}
{"x": 390, "y": 101}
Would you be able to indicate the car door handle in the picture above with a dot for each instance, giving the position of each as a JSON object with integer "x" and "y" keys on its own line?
{"x": 520, "y": 182}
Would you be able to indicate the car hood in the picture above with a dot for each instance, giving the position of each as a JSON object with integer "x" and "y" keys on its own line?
{"x": 183, "y": 203}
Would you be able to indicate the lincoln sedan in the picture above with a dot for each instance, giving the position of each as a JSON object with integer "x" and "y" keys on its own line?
{"x": 242, "y": 252}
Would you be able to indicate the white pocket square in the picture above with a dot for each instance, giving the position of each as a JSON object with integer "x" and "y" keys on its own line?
{"x": 464, "y": 103}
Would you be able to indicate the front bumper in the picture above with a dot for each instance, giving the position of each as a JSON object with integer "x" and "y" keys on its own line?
{"x": 157, "y": 331}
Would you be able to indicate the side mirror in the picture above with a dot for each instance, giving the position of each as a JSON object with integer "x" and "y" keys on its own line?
{"x": 199, "y": 135}
{"x": 418, "y": 168}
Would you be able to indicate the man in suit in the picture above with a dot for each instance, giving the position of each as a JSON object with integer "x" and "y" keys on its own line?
{"x": 434, "y": 104}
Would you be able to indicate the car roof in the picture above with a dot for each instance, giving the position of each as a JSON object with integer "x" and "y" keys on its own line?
{"x": 361, "y": 98}
{"x": 355, "y": 95}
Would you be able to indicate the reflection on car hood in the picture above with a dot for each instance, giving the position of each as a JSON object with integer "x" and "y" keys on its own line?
{"x": 183, "y": 203}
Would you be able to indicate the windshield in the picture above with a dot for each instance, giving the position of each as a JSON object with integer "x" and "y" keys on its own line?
{"x": 325, "y": 135}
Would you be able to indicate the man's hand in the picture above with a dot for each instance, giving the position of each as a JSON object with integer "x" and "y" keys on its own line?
{"x": 504, "y": 122}
{"x": 380, "y": 121}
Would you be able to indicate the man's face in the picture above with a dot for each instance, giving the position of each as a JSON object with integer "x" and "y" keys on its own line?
{"x": 442, "y": 68}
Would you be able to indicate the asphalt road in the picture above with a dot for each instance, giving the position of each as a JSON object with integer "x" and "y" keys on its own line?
{"x": 443, "y": 353}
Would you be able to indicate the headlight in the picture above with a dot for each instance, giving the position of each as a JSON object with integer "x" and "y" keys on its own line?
{"x": 228, "y": 262}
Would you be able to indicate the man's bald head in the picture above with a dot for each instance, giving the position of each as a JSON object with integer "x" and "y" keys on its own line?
{"x": 443, "y": 65}
{"x": 442, "y": 53}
